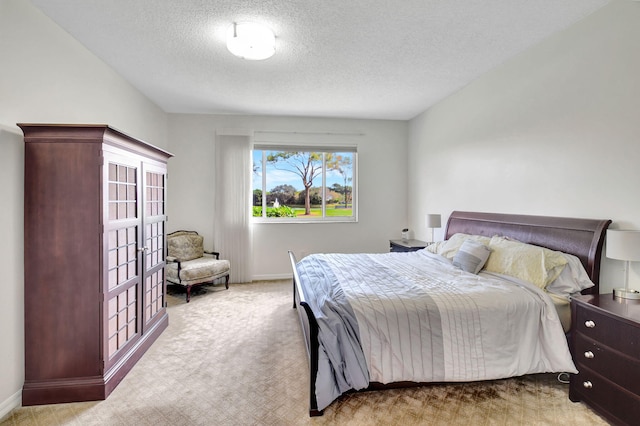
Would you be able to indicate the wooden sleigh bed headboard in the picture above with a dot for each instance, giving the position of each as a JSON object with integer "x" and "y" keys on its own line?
{"x": 583, "y": 238}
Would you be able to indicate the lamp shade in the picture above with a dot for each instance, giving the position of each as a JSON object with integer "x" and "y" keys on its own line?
{"x": 249, "y": 40}
{"x": 623, "y": 244}
{"x": 433, "y": 221}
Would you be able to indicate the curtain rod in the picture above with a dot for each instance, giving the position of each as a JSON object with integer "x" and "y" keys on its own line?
{"x": 309, "y": 133}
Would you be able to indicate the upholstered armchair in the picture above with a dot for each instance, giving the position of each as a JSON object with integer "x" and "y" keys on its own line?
{"x": 188, "y": 264}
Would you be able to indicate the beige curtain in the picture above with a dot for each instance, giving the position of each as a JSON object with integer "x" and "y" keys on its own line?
{"x": 232, "y": 232}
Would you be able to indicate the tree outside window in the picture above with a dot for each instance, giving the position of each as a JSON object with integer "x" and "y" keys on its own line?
{"x": 306, "y": 185}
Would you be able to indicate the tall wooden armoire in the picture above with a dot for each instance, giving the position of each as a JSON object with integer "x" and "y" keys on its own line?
{"x": 94, "y": 244}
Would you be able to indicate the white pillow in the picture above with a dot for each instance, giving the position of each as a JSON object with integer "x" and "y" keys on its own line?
{"x": 535, "y": 264}
{"x": 572, "y": 280}
{"x": 436, "y": 248}
{"x": 472, "y": 256}
{"x": 450, "y": 247}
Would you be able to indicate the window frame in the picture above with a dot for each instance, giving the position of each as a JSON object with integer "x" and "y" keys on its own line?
{"x": 324, "y": 149}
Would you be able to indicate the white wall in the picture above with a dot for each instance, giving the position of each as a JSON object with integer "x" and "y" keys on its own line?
{"x": 551, "y": 132}
{"x": 382, "y": 183}
{"x": 47, "y": 76}
{"x": 555, "y": 131}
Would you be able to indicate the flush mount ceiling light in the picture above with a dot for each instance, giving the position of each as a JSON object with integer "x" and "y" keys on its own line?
{"x": 249, "y": 40}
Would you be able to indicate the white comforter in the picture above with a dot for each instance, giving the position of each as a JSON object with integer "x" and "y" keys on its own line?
{"x": 418, "y": 318}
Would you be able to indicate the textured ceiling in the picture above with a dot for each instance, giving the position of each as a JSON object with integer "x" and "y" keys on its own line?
{"x": 334, "y": 58}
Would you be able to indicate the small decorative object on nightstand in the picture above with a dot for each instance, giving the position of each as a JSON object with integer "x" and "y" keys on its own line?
{"x": 624, "y": 245}
{"x": 406, "y": 245}
{"x": 605, "y": 333}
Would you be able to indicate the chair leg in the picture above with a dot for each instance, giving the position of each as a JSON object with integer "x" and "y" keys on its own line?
{"x": 226, "y": 284}
{"x": 188, "y": 293}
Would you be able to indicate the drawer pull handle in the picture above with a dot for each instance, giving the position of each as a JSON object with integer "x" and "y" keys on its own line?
{"x": 589, "y": 324}
{"x": 588, "y": 354}
{"x": 587, "y": 384}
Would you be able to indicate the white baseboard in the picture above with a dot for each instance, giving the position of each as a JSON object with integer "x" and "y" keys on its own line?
{"x": 272, "y": 277}
{"x": 7, "y": 406}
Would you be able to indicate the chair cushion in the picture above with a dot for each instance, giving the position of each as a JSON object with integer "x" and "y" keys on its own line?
{"x": 198, "y": 270}
{"x": 186, "y": 247}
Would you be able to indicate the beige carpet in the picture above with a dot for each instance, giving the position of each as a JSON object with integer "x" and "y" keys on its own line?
{"x": 236, "y": 357}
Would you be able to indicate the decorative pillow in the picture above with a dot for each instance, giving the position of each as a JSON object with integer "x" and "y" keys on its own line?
{"x": 573, "y": 278}
{"x": 450, "y": 247}
{"x": 472, "y": 256}
{"x": 186, "y": 247}
{"x": 528, "y": 262}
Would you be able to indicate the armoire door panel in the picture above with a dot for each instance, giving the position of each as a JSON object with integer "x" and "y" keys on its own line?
{"x": 154, "y": 217}
{"x": 122, "y": 314}
{"x": 123, "y": 229}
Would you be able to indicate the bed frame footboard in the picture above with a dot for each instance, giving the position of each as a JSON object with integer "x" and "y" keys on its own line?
{"x": 310, "y": 333}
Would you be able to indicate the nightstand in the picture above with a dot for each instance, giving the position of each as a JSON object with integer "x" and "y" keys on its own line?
{"x": 406, "y": 245}
{"x": 605, "y": 334}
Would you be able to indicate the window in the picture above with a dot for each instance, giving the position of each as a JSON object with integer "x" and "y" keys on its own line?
{"x": 313, "y": 184}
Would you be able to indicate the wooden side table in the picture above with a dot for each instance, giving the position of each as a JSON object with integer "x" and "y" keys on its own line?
{"x": 605, "y": 334}
{"x": 406, "y": 245}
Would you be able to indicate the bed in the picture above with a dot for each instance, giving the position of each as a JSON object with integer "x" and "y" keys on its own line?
{"x": 416, "y": 318}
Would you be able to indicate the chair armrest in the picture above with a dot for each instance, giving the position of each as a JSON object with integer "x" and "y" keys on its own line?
{"x": 213, "y": 253}
{"x": 171, "y": 259}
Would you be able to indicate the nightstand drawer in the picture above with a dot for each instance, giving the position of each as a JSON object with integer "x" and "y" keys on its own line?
{"x": 608, "y": 330}
{"x": 399, "y": 246}
{"x": 613, "y": 365}
{"x": 613, "y": 401}
{"x": 399, "y": 249}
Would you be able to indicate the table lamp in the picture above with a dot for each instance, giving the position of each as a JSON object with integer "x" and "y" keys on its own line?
{"x": 624, "y": 245}
{"x": 433, "y": 221}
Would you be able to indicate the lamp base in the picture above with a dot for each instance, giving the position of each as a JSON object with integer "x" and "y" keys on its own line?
{"x": 626, "y": 294}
